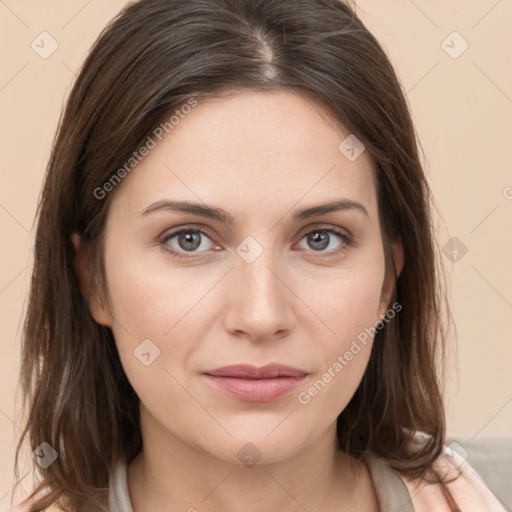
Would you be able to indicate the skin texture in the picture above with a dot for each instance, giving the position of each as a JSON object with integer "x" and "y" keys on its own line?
{"x": 259, "y": 156}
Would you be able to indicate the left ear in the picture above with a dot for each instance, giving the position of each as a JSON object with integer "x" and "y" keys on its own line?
{"x": 390, "y": 278}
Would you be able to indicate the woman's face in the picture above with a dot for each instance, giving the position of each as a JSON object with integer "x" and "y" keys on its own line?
{"x": 268, "y": 287}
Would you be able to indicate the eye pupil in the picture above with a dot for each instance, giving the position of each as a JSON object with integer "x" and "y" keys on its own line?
{"x": 186, "y": 238}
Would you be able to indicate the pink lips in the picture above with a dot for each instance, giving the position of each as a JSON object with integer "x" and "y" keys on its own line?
{"x": 247, "y": 382}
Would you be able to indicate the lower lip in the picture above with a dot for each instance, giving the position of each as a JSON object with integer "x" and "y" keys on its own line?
{"x": 255, "y": 390}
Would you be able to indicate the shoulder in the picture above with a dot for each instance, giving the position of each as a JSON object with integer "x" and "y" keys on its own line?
{"x": 468, "y": 491}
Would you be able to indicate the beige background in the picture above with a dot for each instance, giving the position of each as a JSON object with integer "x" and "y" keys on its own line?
{"x": 462, "y": 108}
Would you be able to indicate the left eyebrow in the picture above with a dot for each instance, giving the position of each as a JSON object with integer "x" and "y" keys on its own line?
{"x": 331, "y": 206}
{"x": 223, "y": 216}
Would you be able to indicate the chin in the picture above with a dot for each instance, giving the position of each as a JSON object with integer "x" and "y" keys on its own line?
{"x": 260, "y": 449}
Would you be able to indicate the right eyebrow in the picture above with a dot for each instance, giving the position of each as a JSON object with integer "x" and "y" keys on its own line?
{"x": 202, "y": 210}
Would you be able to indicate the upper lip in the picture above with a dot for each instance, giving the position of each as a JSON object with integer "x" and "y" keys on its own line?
{"x": 247, "y": 371}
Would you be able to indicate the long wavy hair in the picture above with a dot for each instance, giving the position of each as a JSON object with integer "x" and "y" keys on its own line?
{"x": 147, "y": 62}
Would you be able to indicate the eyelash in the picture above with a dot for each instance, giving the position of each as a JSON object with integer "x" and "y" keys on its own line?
{"x": 346, "y": 239}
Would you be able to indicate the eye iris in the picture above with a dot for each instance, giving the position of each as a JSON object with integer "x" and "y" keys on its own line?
{"x": 185, "y": 238}
{"x": 319, "y": 237}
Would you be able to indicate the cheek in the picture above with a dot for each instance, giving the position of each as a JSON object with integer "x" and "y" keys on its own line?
{"x": 151, "y": 312}
{"x": 348, "y": 299}
{"x": 152, "y": 302}
{"x": 150, "y": 299}
{"x": 349, "y": 309}
{"x": 342, "y": 357}
{"x": 357, "y": 302}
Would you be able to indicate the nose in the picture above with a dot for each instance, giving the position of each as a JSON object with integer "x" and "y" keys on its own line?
{"x": 259, "y": 302}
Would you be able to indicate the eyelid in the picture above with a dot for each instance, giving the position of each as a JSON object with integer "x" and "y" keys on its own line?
{"x": 347, "y": 240}
{"x": 321, "y": 226}
{"x": 303, "y": 231}
{"x": 168, "y": 234}
{"x": 186, "y": 227}
{"x": 344, "y": 234}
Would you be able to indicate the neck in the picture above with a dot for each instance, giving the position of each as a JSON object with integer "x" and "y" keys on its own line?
{"x": 170, "y": 475}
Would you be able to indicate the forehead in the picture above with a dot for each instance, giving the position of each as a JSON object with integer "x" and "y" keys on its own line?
{"x": 251, "y": 149}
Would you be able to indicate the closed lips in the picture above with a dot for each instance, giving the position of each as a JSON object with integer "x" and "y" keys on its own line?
{"x": 252, "y": 384}
{"x": 252, "y": 372}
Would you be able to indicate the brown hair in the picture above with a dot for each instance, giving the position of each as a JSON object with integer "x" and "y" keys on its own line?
{"x": 148, "y": 61}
